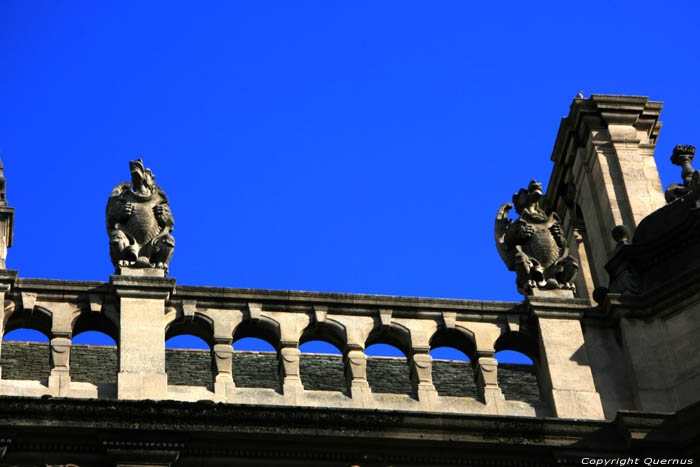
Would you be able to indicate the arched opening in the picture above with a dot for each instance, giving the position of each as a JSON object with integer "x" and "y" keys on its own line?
{"x": 95, "y": 329}
{"x": 25, "y": 335}
{"x": 253, "y": 344}
{"x": 188, "y": 361}
{"x": 93, "y": 358}
{"x": 518, "y": 360}
{"x": 25, "y": 355}
{"x": 254, "y": 363}
{"x": 186, "y": 341}
{"x": 321, "y": 366}
{"x": 453, "y": 374}
{"x": 387, "y": 369}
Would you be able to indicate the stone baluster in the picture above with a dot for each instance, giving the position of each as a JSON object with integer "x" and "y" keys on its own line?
{"x": 7, "y": 219}
{"x": 487, "y": 378}
{"x": 565, "y": 374}
{"x": 142, "y": 336}
{"x": 7, "y": 279}
{"x": 421, "y": 364}
{"x": 222, "y": 354}
{"x": 61, "y": 331}
{"x": 355, "y": 362}
{"x": 289, "y": 357}
{"x": 59, "y": 379}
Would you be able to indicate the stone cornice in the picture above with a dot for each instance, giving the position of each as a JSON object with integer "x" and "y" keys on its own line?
{"x": 142, "y": 287}
{"x": 572, "y": 308}
{"x": 272, "y": 300}
{"x": 208, "y": 430}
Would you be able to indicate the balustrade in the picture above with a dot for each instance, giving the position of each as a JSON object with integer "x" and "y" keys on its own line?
{"x": 141, "y": 313}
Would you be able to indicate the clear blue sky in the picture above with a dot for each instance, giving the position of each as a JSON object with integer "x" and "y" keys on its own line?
{"x": 359, "y": 147}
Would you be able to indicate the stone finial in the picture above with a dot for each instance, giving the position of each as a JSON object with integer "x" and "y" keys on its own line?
{"x": 533, "y": 245}
{"x": 682, "y": 156}
{"x": 139, "y": 223}
{"x": 7, "y": 218}
{"x": 3, "y": 182}
{"x": 621, "y": 234}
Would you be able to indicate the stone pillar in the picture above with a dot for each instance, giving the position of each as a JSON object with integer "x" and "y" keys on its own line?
{"x": 142, "y": 336}
{"x": 222, "y": 354}
{"x": 61, "y": 335}
{"x": 605, "y": 174}
{"x": 487, "y": 381}
{"x": 422, "y": 374}
{"x": 356, "y": 374}
{"x": 7, "y": 219}
{"x": 565, "y": 374}
{"x": 7, "y": 280}
{"x": 289, "y": 356}
{"x": 59, "y": 379}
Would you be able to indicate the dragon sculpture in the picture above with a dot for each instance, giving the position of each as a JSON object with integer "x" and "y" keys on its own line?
{"x": 533, "y": 245}
{"x": 139, "y": 222}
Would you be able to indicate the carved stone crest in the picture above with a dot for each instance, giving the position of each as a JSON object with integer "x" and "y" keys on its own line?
{"x": 533, "y": 245}
{"x": 682, "y": 156}
{"x": 139, "y": 222}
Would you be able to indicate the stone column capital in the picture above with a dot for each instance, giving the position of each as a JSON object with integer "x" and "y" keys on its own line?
{"x": 549, "y": 307}
{"x": 142, "y": 287}
{"x": 8, "y": 279}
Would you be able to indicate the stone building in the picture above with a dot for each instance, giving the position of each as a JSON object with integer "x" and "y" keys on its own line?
{"x": 607, "y": 264}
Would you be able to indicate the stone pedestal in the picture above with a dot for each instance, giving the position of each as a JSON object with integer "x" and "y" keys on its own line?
{"x": 7, "y": 280}
{"x": 222, "y": 354}
{"x": 356, "y": 376}
{"x": 289, "y": 357}
{"x": 604, "y": 175}
{"x": 142, "y": 336}
{"x": 59, "y": 379}
{"x": 565, "y": 374}
{"x": 422, "y": 377}
{"x": 7, "y": 218}
{"x": 487, "y": 383}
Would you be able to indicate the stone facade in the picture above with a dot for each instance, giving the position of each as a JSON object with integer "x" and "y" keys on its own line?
{"x": 616, "y": 369}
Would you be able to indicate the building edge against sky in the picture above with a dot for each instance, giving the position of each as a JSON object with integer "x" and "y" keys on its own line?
{"x": 610, "y": 322}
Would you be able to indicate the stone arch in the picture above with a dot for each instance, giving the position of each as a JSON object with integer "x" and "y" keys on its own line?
{"x": 264, "y": 328}
{"x": 519, "y": 341}
{"x": 455, "y": 378}
{"x": 199, "y": 325}
{"x": 520, "y": 381}
{"x": 324, "y": 372}
{"x": 257, "y": 369}
{"x": 86, "y": 320}
{"x": 190, "y": 367}
{"x": 330, "y": 331}
{"x": 390, "y": 374}
{"x": 38, "y": 318}
{"x": 459, "y": 337}
{"x": 394, "y": 334}
{"x": 29, "y": 361}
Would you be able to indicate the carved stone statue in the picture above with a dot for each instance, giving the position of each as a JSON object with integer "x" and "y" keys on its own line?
{"x": 683, "y": 157}
{"x": 139, "y": 222}
{"x": 533, "y": 245}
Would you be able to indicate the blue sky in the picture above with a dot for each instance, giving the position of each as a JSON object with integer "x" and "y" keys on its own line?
{"x": 359, "y": 147}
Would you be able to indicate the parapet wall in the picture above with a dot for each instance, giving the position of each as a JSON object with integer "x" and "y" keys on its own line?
{"x": 142, "y": 313}
{"x": 318, "y": 372}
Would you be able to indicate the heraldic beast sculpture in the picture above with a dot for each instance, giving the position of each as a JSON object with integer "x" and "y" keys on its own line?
{"x": 533, "y": 245}
{"x": 139, "y": 222}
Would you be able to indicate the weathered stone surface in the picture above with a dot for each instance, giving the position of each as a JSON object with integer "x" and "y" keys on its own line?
{"x": 534, "y": 245}
{"x": 139, "y": 223}
{"x": 7, "y": 218}
{"x": 98, "y": 364}
{"x": 604, "y": 175}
